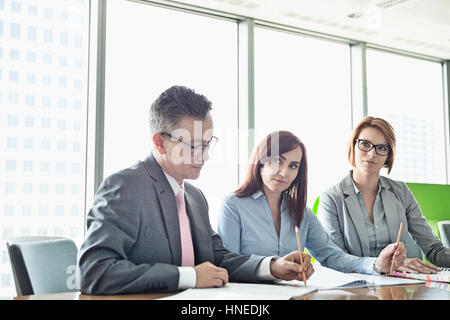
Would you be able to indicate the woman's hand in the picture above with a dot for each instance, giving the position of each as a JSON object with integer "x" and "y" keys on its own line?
{"x": 289, "y": 267}
{"x": 391, "y": 254}
{"x": 414, "y": 265}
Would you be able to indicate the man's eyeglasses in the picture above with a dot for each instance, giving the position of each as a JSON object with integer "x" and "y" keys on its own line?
{"x": 380, "y": 149}
{"x": 201, "y": 148}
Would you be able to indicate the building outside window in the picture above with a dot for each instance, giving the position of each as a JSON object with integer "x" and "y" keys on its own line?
{"x": 35, "y": 198}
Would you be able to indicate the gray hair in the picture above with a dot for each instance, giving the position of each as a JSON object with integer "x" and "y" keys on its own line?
{"x": 174, "y": 104}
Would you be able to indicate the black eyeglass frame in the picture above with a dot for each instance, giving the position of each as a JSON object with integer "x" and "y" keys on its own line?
{"x": 374, "y": 146}
{"x": 207, "y": 146}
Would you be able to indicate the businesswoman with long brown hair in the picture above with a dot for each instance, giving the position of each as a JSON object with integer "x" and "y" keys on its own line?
{"x": 261, "y": 215}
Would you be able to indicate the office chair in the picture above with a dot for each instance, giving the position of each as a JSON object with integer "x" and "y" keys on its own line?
{"x": 316, "y": 205}
{"x": 412, "y": 248}
{"x": 444, "y": 230}
{"x": 42, "y": 264}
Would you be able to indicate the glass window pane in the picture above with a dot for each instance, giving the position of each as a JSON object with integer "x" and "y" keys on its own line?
{"x": 303, "y": 85}
{"x": 150, "y": 49}
{"x": 407, "y": 92}
{"x": 35, "y": 197}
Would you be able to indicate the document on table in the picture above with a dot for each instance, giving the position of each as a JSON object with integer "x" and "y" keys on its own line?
{"x": 244, "y": 291}
{"x": 441, "y": 276}
{"x": 325, "y": 278}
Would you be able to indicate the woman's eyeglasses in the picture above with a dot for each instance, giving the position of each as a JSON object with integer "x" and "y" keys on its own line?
{"x": 380, "y": 149}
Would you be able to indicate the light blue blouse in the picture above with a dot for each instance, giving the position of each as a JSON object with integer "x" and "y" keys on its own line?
{"x": 246, "y": 227}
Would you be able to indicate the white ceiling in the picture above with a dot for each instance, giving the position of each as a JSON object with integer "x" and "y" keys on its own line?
{"x": 419, "y": 26}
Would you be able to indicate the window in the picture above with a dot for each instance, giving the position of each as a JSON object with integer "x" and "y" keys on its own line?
{"x": 28, "y": 143}
{"x": 14, "y": 54}
{"x": 11, "y": 142}
{"x": 297, "y": 80}
{"x": 61, "y": 145}
{"x": 29, "y": 100}
{"x": 15, "y": 30}
{"x": 62, "y": 82}
{"x": 48, "y": 12}
{"x": 27, "y": 188}
{"x": 29, "y": 121}
{"x": 10, "y": 187}
{"x": 202, "y": 55}
{"x": 32, "y": 10}
{"x": 63, "y": 61}
{"x": 47, "y": 80}
{"x": 33, "y": 159}
{"x": 28, "y": 166}
{"x": 407, "y": 92}
{"x": 13, "y": 98}
{"x": 13, "y": 76}
{"x": 64, "y": 38}
{"x": 47, "y": 59}
{"x": 32, "y": 33}
{"x": 31, "y": 56}
{"x": 12, "y": 120}
{"x": 15, "y": 6}
{"x": 31, "y": 78}
{"x": 48, "y": 36}
{"x": 46, "y": 101}
{"x": 10, "y": 165}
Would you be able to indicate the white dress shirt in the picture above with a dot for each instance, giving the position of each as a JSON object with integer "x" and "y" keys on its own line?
{"x": 188, "y": 276}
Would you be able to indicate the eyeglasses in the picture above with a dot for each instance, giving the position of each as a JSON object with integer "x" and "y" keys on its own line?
{"x": 201, "y": 148}
{"x": 380, "y": 149}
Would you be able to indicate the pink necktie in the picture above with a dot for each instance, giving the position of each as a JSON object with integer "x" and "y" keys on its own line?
{"x": 187, "y": 248}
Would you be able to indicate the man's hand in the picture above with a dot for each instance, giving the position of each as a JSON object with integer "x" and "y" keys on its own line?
{"x": 289, "y": 267}
{"x": 208, "y": 275}
{"x": 392, "y": 251}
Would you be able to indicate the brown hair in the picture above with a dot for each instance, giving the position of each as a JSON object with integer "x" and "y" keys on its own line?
{"x": 385, "y": 128}
{"x": 273, "y": 145}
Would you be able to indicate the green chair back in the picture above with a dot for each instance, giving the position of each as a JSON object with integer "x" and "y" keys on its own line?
{"x": 434, "y": 201}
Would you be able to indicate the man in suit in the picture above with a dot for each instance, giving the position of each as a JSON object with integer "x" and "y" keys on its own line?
{"x": 149, "y": 230}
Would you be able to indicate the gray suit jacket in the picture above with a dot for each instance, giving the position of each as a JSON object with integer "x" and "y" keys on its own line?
{"x": 340, "y": 214}
{"x": 133, "y": 239}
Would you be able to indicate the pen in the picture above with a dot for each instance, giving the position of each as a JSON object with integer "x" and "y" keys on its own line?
{"x": 398, "y": 241}
{"x": 300, "y": 251}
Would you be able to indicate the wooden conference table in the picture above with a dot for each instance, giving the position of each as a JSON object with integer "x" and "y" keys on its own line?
{"x": 427, "y": 291}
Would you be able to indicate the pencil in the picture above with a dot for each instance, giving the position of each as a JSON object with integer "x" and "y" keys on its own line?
{"x": 300, "y": 251}
{"x": 398, "y": 241}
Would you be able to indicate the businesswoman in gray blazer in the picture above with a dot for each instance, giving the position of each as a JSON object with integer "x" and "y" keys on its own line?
{"x": 363, "y": 212}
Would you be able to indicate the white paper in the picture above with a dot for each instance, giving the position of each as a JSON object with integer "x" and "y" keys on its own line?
{"x": 243, "y": 291}
{"x": 325, "y": 278}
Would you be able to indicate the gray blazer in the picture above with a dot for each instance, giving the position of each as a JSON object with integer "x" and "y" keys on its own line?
{"x": 133, "y": 239}
{"x": 340, "y": 214}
